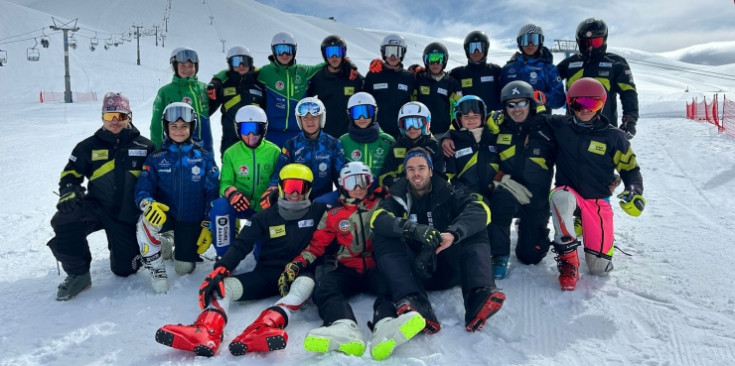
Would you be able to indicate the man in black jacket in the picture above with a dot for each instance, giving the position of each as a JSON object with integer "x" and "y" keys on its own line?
{"x": 111, "y": 160}
{"x": 479, "y": 77}
{"x": 429, "y": 236}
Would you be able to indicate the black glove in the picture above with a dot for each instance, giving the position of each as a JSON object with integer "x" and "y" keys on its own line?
{"x": 71, "y": 197}
{"x": 628, "y": 125}
{"x": 425, "y": 263}
{"x": 429, "y": 237}
{"x": 213, "y": 284}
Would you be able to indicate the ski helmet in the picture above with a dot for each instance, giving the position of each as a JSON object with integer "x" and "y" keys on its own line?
{"x": 355, "y": 109}
{"x": 313, "y": 106}
{"x": 284, "y": 38}
{"x": 353, "y": 174}
{"x": 240, "y": 51}
{"x": 589, "y": 30}
{"x": 414, "y": 110}
{"x": 476, "y": 36}
{"x": 587, "y": 87}
{"x": 394, "y": 40}
{"x": 436, "y": 48}
{"x": 528, "y": 31}
{"x": 516, "y": 89}
{"x": 179, "y": 111}
{"x": 333, "y": 40}
{"x": 183, "y": 54}
{"x": 295, "y": 172}
{"x": 466, "y": 104}
{"x": 252, "y": 113}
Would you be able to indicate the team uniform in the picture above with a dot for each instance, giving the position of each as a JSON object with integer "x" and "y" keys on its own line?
{"x": 192, "y": 92}
{"x": 480, "y": 79}
{"x": 391, "y": 89}
{"x": 393, "y": 165}
{"x": 334, "y": 89}
{"x": 540, "y": 72}
{"x": 440, "y": 96}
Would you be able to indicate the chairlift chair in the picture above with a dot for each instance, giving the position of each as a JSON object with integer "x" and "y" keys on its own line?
{"x": 73, "y": 43}
{"x": 3, "y": 57}
{"x": 94, "y": 41}
{"x": 44, "y": 40}
{"x": 33, "y": 54}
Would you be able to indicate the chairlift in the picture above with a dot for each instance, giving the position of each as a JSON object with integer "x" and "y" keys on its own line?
{"x": 44, "y": 40}
{"x": 73, "y": 43}
{"x": 3, "y": 57}
{"x": 91, "y": 47}
{"x": 109, "y": 42}
{"x": 33, "y": 54}
{"x": 94, "y": 41}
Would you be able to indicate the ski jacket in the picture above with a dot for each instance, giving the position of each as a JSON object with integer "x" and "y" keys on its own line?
{"x": 391, "y": 90}
{"x": 588, "y": 157}
{"x": 349, "y": 225}
{"x": 334, "y": 90}
{"x": 190, "y": 91}
{"x": 613, "y": 72}
{"x": 540, "y": 72}
{"x": 182, "y": 176}
{"x": 393, "y": 165}
{"x": 482, "y": 80}
{"x": 232, "y": 91}
{"x": 284, "y": 87}
{"x": 440, "y": 96}
{"x": 249, "y": 170}
{"x": 473, "y": 164}
{"x": 449, "y": 209}
{"x": 324, "y": 156}
{"x": 373, "y": 153}
{"x": 112, "y": 165}
{"x": 282, "y": 240}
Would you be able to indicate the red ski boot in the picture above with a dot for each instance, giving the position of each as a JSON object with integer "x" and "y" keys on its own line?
{"x": 480, "y": 305}
{"x": 568, "y": 265}
{"x": 264, "y": 335}
{"x": 203, "y": 337}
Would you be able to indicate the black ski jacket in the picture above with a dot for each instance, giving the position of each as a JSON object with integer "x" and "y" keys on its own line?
{"x": 393, "y": 165}
{"x": 440, "y": 96}
{"x": 391, "y": 90}
{"x": 334, "y": 90}
{"x": 482, "y": 80}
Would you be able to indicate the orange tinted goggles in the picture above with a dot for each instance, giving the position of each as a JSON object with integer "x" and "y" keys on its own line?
{"x": 108, "y": 116}
{"x": 295, "y": 186}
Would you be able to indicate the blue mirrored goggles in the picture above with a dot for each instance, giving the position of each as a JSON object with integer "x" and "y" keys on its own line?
{"x": 364, "y": 110}
{"x": 173, "y": 114}
{"x": 434, "y": 58}
{"x": 309, "y": 108}
{"x": 334, "y": 51}
{"x": 476, "y": 46}
{"x": 238, "y": 60}
{"x": 186, "y": 55}
{"x": 530, "y": 38}
{"x": 416, "y": 122}
{"x": 281, "y": 49}
{"x": 246, "y": 128}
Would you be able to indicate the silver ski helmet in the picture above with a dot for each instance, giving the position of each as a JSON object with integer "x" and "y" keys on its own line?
{"x": 179, "y": 111}
{"x": 183, "y": 54}
{"x": 389, "y": 42}
{"x": 243, "y": 52}
{"x": 313, "y": 106}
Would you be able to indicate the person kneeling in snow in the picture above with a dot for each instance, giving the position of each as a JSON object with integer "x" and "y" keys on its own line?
{"x": 285, "y": 229}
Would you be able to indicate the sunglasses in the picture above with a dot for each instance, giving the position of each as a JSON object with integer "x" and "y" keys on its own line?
{"x": 236, "y": 61}
{"x": 473, "y": 47}
{"x": 596, "y": 42}
{"x": 334, "y": 51}
{"x": 352, "y": 182}
{"x": 519, "y": 104}
{"x": 109, "y": 116}
{"x": 593, "y": 104}
{"x": 246, "y": 128}
{"x": 364, "y": 110}
{"x": 281, "y": 49}
{"x": 186, "y": 55}
{"x": 412, "y": 122}
{"x": 297, "y": 186}
{"x": 173, "y": 114}
{"x": 530, "y": 38}
{"x": 434, "y": 58}
{"x": 396, "y": 51}
{"x": 309, "y": 108}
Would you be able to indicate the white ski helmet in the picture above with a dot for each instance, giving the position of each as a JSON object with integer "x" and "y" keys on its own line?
{"x": 393, "y": 40}
{"x": 362, "y": 98}
{"x": 283, "y": 38}
{"x": 313, "y": 106}
{"x": 252, "y": 113}
{"x": 415, "y": 109}
{"x": 179, "y": 110}
{"x": 352, "y": 169}
{"x": 183, "y": 54}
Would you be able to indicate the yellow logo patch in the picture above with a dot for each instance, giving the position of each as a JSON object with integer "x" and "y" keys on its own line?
{"x": 425, "y": 90}
{"x": 399, "y": 152}
{"x": 100, "y": 155}
{"x": 229, "y": 91}
{"x": 349, "y": 90}
{"x": 504, "y": 139}
{"x": 277, "y": 231}
{"x": 466, "y": 83}
{"x": 597, "y": 147}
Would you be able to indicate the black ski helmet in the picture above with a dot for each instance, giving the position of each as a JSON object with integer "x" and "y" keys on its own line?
{"x": 435, "y": 47}
{"x": 476, "y": 36}
{"x": 591, "y": 28}
{"x": 519, "y": 89}
{"x": 333, "y": 40}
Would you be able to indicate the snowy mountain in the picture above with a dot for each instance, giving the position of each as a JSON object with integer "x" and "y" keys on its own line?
{"x": 671, "y": 302}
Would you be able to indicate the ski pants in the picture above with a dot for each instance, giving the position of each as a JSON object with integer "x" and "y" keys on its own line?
{"x": 533, "y": 234}
{"x": 222, "y": 217}
{"x": 185, "y": 236}
{"x": 70, "y": 246}
{"x": 335, "y": 287}
{"x": 262, "y": 281}
{"x": 596, "y": 214}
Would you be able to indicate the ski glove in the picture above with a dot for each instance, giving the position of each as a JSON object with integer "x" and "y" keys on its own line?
{"x": 628, "y": 125}
{"x": 288, "y": 276}
{"x": 429, "y": 237}
{"x": 212, "y": 91}
{"x": 632, "y": 201}
{"x": 213, "y": 285}
{"x": 70, "y": 199}
{"x": 269, "y": 197}
{"x": 376, "y": 65}
{"x": 539, "y": 96}
{"x": 205, "y": 238}
{"x": 416, "y": 69}
{"x": 154, "y": 212}
{"x": 349, "y": 68}
{"x": 425, "y": 263}
{"x": 521, "y": 193}
{"x": 237, "y": 199}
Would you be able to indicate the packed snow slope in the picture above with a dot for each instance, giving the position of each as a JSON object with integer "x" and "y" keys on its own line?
{"x": 671, "y": 302}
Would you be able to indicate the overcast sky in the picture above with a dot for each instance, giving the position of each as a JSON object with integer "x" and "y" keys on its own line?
{"x": 657, "y": 25}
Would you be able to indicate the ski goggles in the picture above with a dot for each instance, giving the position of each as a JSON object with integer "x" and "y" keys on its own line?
{"x": 236, "y": 61}
{"x": 472, "y": 105}
{"x": 416, "y": 122}
{"x": 185, "y": 114}
{"x": 186, "y": 55}
{"x": 246, "y": 128}
{"x": 334, "y": 51}
{"x": 281, "y": 49}
{"x": 352, "y": 182}
{"x": 530, "y": 38}
{"x": 389, "y": 51}
{"x": 595, "y": 42}
{"x": 518, "y": 104}
{"x": 473, "y": 47}
{"x": 435, "y": 58}
{"x": 309, "y": 108}
{"x": 364, "y": 110}
{"x": 579, "y": 104}
{"x": 109, "y": 116}
{"x": 298, "y": 186}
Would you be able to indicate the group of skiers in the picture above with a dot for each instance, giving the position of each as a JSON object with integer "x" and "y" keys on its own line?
{"x": 430, "y": 168}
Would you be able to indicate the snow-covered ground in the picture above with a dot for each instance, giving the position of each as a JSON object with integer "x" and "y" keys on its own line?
{"x": 670, "y": 303}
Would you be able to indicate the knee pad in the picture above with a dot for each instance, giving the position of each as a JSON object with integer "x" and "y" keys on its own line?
{"x": 184, "y": 268}
{"x": 563, "y": 203}
{"x": 233, "y": 288}
{"x": 599, "y": 264}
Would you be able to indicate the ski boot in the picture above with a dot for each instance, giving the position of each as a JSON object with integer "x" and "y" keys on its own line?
{"x": 420, "y": 303}
{"x": 599, "y": 264}
{"x": 567, "y": 263}
{"x": 500, "y": 266}
{"x": 389, "y": 333}
{"x": 157, "y": 270}
{"x": 481, "y": 304}
{"x": 342, "y": 335}
{"x": 203, "y": 337}
{"x": 264, "y": 335}
{"x": 72, "y": 286}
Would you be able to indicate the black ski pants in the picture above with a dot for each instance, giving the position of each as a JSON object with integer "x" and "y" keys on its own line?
{"x": 533, "y": 241}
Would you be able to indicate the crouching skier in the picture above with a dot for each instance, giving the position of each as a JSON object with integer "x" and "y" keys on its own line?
{"x": 285, "y": 229}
